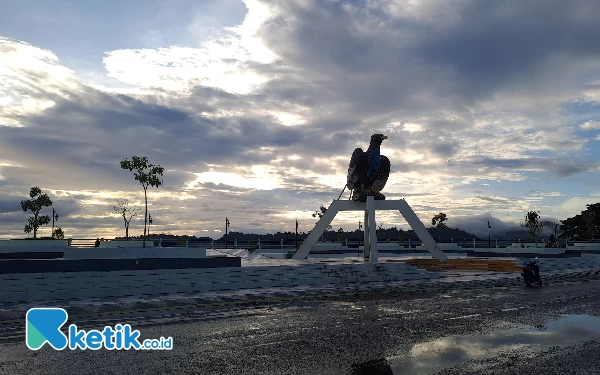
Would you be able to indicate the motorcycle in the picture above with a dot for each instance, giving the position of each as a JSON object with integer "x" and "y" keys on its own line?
{"x": 531, "y": 273}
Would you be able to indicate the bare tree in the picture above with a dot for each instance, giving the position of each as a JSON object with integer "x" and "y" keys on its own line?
{"x": 126, "y": 212}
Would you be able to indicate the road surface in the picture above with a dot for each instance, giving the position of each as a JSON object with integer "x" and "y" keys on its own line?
{"x": 498, "y": 330}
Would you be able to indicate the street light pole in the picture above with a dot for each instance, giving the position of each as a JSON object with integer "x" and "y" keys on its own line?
{"x": 54, "y": 216}
{"x": 226, "y": 226}
{"x": 489, "y": 235}
{"x": 296, "y": 235}
{"x": 359, "y": 229}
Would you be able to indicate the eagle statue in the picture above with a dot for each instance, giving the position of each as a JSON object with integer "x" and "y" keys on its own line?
{"x": 368, "y": 171}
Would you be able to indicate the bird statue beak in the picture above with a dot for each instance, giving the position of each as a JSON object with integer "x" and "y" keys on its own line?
{"x": 384, "y": 137}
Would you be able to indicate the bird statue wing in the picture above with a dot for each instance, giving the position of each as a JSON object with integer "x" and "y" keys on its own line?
{"x": 382, "y": 175}
{"x": 355, "y": 168}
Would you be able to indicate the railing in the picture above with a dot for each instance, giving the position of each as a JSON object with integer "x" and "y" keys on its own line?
{"x": 291, "y": 244}
{"x": 78, "y": 242}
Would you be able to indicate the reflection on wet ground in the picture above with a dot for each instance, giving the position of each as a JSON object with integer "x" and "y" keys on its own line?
{"x": 432, "y": 356}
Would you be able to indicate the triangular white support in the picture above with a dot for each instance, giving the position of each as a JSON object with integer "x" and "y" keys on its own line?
{"x": 369, "y": 207}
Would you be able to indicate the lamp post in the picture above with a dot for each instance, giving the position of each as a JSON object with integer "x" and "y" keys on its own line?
{"x": 149, "y": 222}
{"x": 54, "y": 216}
{"x": 359, "y": 229}
{"x": 489, "y": 235}
{"x": 296, "y": 235}
{"x": 226, "y": 226}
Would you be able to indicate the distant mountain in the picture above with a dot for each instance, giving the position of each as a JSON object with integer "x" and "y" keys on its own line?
{"x": 520, "y": 233}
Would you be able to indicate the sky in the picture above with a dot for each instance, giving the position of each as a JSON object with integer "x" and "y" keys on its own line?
{"x": 492, "y": 109}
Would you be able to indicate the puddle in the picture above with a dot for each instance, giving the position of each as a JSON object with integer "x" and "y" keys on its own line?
{"x": 430, "y": 357}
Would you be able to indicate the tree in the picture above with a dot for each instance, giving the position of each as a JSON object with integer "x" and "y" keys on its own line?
{"x": 583, "y": 226}
{"x": 380, "y": 231}
{"x": 591, "y": 216}
{"x": 532, "y": 223}
{"x": 148, "y": 175}
{"x": 573, "y": 227}
{"x": 552, "y": 241}
{"x": 38, "y": 201}
{"x": 438, "y": 221}
{"x": 59, "y": 233}
{"x": 126, "y": 212}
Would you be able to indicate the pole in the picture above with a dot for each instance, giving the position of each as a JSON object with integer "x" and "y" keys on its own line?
{"x": 489, "y": 235}
{"x": 226, "y": 226}
{"x": 296, "y": 235}
{"x": 359, "y": 229}
{"x": 53, "y": 212}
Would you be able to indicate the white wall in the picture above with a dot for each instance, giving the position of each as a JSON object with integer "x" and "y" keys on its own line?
{"x": 35, "y": 245}
{"x": 134, "y": 253}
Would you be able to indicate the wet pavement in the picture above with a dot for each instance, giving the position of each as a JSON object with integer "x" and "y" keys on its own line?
{"x": 480, "y": 330}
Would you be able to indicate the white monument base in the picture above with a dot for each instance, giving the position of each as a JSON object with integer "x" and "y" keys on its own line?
{"x": 369, "y": 207}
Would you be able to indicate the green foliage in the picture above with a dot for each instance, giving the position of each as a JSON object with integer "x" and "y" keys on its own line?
{"x": 401, "y": 240}
{"x": 438, "y": 220}
{"x": 38, "y": 201}
{"x": 583, "y": 226}
{"x": 552, "y": 241}
{"x": 532, "y": 223}
{"x": 147, "y": 175}
{"x": 59, "y": 233}
{"x": 251, "y": 245}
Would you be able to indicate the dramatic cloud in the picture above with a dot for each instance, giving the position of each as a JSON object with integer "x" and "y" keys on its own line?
{"x": 491, "y": 108}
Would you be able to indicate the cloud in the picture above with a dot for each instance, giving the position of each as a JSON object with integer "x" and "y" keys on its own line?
{"x": 10, "y": 205}
{"x": 590, "y": 125}
{"x": 553, "y": 166}
{"x": 259, "y": 120}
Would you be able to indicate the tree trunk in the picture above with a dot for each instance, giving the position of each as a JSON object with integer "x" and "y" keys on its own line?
{"x": 146, "y": 214}
{"x": 35, "y": 226}
{"x": 126, "y": 229}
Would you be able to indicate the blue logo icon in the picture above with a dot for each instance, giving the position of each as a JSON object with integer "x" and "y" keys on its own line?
{"x": 43, "y": 325}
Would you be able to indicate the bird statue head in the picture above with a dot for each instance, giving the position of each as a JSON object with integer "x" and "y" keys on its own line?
{"x": 377, "y": 139}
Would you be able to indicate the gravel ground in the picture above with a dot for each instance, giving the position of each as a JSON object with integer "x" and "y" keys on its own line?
{"x": 489, "y": 330}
